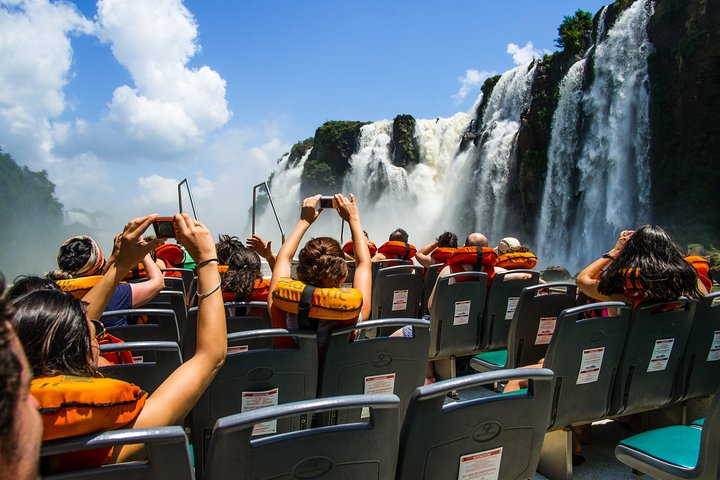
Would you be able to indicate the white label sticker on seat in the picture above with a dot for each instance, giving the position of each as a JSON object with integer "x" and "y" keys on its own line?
{"x": 660, "y": 355}
{"x": 137, "y": 359}
{"x": 375, "y": 385}
{"x": 462, "y": 313}
{"x": 481, "y": 465}
{"x": 237, "y": 348}
{"x": 254, "y": 400}
{"x": 546, "y": 328}
{"x": 590, "y": 365}
{"x": 400, "y": 298}
{"x": 511, "y": 306}
{"x": 714, "y": 354}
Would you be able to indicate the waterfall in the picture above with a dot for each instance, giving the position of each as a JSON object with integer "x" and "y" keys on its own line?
{"x": 418, "y": 198}
{"x": 613, "y": 186}
{"x": 553, "y": 239}
{"x": 498, "y": 134}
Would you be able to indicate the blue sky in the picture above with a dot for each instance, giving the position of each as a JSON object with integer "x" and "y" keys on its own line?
{"x": 118, "y": 100}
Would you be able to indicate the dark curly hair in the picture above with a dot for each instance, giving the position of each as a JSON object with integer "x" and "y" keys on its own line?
{"x": 447, "y": 239}
{"x": 243, "y": 270}
{"x": 53, "y": 329}
{"x": 10, "y": 371}
{"x": 321, "y": 263}
{"x": 663, "y": 273}
{"x": 226, "y": 246}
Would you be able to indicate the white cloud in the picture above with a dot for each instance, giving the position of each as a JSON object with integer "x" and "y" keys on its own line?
{"x": 526, "y": 54}
{"x": 471, "y": 81}
{"x": 170, "y": 105}
{"x": 157, "y": 193}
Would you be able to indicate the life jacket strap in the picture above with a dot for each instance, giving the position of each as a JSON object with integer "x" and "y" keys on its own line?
{"x": 304, "y": 320}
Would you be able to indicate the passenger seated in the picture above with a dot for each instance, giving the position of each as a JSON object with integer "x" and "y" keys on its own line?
{"x": 349, "y": 248}
{"x": 81, "y": 264}
{"x": 226, "y": 246}
{"x": 321, "y": 264}
{"x": 58, "y": 329}
{"x": 397, "y": 247}
{"x": 20, "y": 424}
{"x": 29, "y": 283}
{"x": 555, "y": 273}
{"x": 438, "y": 251}
{"x": 243, "y": 281}
{"x": 513, "y": 256}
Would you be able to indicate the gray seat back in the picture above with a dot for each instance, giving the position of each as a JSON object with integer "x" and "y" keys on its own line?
{"x": 186, "y": 274}
{"x": 699, "y": 372}
{"x": 154, "y": 362}
{"x": 174, "y": 301}
{"x": 584, "y": 354}
{"x": 396, "y": 292}
{"x": 236, "y": 322}
{"x": 359, "y": 451}
{"x": 456, "y": 315}
{"x": 655, "y": 343}
{"x": 253, "y": 378}
{"x": 381, "y": 364}
{"x": 167, "y": 448}
{"x": 535, "y": 320}
{"x": 161, "y": 325}
{"x": 379, "y": 264}
{"x": 442, "y": 438}
{"x": 174, "y": 284}
{"x": 502, "y": 299}
{"x": 431, "y": 274}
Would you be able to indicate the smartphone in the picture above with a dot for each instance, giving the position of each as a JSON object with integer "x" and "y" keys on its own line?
{"x": 327, "y": 202}
{"x": 163, "y": 227}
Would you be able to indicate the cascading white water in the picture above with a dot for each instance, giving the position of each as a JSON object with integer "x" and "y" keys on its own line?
{"x": 416, "y": 199}
{"x": 614, "y": 174}
{"x": 498, "y": 134}
{"x": 553, "y": 237}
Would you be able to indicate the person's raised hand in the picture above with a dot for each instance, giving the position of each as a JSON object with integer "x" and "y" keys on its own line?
{"x": 132, "y": 247}
{"x": 346, "y": 207}
{"x": 195, "y": 237}
{"x": 621, "y": 241}
{"x": 258, "y": 244}
{"x": 309, "y": 211}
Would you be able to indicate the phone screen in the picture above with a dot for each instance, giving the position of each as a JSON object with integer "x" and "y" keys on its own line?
{"x": 164, "y": 229}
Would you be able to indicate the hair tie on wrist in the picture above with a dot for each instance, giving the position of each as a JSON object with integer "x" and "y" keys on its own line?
{"x": 203, "y": 263}
{"x": 608, "y": 256}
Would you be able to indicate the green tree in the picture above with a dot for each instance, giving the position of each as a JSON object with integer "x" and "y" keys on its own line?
{"x": 574, "y": 32}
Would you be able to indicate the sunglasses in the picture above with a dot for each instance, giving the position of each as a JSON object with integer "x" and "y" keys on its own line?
{"x": 100, "y": 331}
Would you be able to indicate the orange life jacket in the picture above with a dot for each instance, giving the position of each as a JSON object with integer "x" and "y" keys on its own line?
{"x": 260, "y": 292}
{"x": 116, "y": 358}
{"x": 481, "y": 260}
{"x": 399, "y": 250}
{"x": 78, "y": 287}
{"x": 517, "y": 260}
{"x": 702, "y": 267}
{"x": 72, "y": 406}
{"x": 349, "y": 248}
{"x": 441, "y": 254}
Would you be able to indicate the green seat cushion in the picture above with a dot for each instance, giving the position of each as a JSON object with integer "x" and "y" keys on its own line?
{"x": 699, "y": 422}
{"x": 522, "y": 391}
{"x": 498, "y": 357}
{"x": 679, "y": 445}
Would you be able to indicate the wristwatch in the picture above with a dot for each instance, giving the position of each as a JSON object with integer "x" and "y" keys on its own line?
{"x": 608, "y": 256}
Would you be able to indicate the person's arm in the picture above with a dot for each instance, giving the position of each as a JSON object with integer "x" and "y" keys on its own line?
{"x": 423, "y": 255}
{"x": 589, "y": 278}
{"x": 263, "y": 249}
{"x": 348, "y": 211}
{"x": 176, "y": 396}
{"x": 284, "y": 257}
{"x": 443, "y": 273}
{"x": 143, "y": 292}
{"x": 132, "y": 248}
{"x": 113, "y": 256}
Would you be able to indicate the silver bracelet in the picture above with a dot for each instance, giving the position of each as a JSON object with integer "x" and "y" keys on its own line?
{"x": 203, "y": 295}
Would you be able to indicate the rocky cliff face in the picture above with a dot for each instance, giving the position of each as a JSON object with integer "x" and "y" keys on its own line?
{"x": 685, "y": 118}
